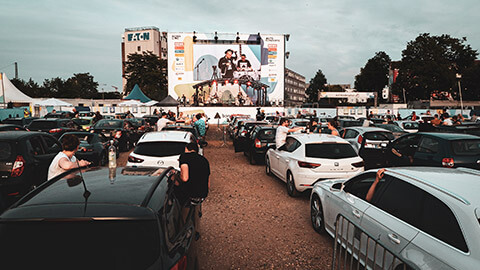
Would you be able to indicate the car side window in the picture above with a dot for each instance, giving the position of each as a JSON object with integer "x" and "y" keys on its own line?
{"x": 173, "y": 217}
{"x": 428, "y": 145}
{"x": 402, "y": 200}
{"x": 53, "y": 146}
{"x": 406, "y": 143}
{"x": 350, "y": 134}
{"x": 359, "y": 185}
{"x": 440, "y": 222}
{"x": 63, "y": 123}
{"x": 292, "y": 144}
{"x": 37, "y": 145}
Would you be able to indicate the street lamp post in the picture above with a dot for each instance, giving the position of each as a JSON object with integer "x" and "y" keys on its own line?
{"x": 459, "y": 77}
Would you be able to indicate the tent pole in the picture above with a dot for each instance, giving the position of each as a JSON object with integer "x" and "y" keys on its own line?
{"x": 2, "y": 76}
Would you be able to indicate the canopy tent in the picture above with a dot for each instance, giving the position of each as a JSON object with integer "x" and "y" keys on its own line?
{"x": 131, "y": 103}
{"x": 168, "y": 101}
{"x": 137, "y": 94}
{"x": 53, "y": 102}
{"x": 12, "y": 94}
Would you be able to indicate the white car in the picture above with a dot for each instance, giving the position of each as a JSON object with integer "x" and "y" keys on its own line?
{"x": 427, "y": 217}
{"x": 308, "y": 158}
{"x": 160, "y": 149}
{"x": 408, "y": 125}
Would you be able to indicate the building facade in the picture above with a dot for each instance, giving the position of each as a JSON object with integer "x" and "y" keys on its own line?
{"x": 143, "y": 39}
{"x": 295, "y": 87}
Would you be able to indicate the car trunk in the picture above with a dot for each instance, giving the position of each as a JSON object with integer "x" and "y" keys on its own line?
{"x": 373, "y": 148}
{"x": 466, "y": 153}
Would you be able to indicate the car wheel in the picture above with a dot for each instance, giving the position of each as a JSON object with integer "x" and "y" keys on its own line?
{"x": 316, "y": 214}
{"x": 251, "y": 158}
{"x": 268, "y": 169}
{"x": 291, "y": 190}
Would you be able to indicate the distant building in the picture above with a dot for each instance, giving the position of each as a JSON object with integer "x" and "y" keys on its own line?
{"x": 143, "y": 39}
{"x": 295, "y": 87}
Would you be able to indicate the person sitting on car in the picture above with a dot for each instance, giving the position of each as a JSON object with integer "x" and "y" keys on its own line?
{"x": 282, "y": 132}
{"x": 66, "y": 160}
{"x": 371, "y": 190}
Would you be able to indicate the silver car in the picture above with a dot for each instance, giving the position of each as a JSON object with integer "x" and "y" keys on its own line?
{"x": 428, "y": 217}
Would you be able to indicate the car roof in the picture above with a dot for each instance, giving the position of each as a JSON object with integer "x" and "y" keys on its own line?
{"x": 317, "y": 138}
{"x": 450, "y": 136}
{"x": 169, "y": 135}
{"x": 462, "y": 184}
{"x": 59, "y": 197}
{"x": 367, "y": 129}
{"x": 17, "y": 134}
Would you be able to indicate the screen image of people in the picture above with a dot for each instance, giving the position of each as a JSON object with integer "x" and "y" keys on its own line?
{"x": 226, "y": 64}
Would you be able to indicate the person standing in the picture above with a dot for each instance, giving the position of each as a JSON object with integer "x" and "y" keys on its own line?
{"x": 26, "y": 113}
{"x": 194, "y": 173}
{"x": 226, "y": 64}
{"x": 332, "y": 126}
{"x": 414, "y": 116}
{"x": 66, "y": 160}
{"x": 199, "y": 124}
{"x": 435, "y": 121}
{"x": 163, "y": 121}
{"x": 97, "y": 117}
{"x": 282, "y": 132}
{"x": 243, "y": 63}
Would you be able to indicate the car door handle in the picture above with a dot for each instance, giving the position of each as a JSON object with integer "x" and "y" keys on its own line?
{"x": 356, "y": 213}
{"x": 394, "y": 238}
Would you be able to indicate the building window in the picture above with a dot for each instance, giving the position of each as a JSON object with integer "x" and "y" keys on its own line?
{"x": 100, "y": 105}
{"x": 139, "y": 48}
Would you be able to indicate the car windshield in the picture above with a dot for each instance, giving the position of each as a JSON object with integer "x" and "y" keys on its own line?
{"x": 133, "y": 244}
{"x": 82, "y": 121}
{"x": 466, "y": 147}
{"x": 268, "y": 134}
{"x": 329, "y": 150}
{"x": 160, "y": 149}
{"x": 43, "y": 124}
{"x": 109, "y": 124}
{"x": 378, "y": 136}
{"x": 5, "y": 150}
{"x": 410, "y": 125}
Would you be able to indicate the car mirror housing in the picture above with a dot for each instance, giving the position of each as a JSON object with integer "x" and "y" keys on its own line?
{"x": 336, "y": 187}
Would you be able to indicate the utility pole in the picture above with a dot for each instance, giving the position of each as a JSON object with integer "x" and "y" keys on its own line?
{"x": 16, "y": 70}
{"x": 459, "y": 77}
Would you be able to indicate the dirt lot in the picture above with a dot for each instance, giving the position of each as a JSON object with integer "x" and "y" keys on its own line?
{"x": 249, "y": 221}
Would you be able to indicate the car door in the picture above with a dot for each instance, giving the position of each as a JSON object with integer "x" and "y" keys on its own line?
{"x": 284, "y": 157}
{"x": 428, "y": 152}
{"x": 41, "y": 159}
{"x": 406, "y": 146}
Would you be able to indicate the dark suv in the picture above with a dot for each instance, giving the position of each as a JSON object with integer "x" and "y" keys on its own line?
{"x": 54, "y": 126}
{"x": 24, "y": 161}
{"x": 136, "y": 220}
{"x": 257, "y": 144}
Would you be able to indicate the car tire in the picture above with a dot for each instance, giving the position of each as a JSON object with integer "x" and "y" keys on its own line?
{"x": 291, "y": 190}
{"x": 268, "y": 169}
{"x": 252, "y": 159}
{"x": 316, "y": 214}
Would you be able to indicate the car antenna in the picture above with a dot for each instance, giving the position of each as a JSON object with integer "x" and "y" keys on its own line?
{"x": 86, "y": 193}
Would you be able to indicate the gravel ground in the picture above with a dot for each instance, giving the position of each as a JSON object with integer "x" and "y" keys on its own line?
{"x": 249, "y": 221}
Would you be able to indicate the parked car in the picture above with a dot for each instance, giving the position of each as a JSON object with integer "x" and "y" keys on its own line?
{"x": 86, "y": 114}
{"x": 370, "y": 143}
{"x": 272, "y": 119}
{"x": 256, "y": 145}
{"x": 139, "y": 127}
{"x": 161, "y": 148}
{"x": 344, "y": 123}
{"x": 435, "y": 149}
{"x": 59, "y": 114}
{"x": 151, "y": 119}
{"x": 85, "y": 122}
{"x": 19, "y": 121}
{"x": 396, "y": 130}
{"x": 426, "y": 216}
{"x": 233, "y": 126}
{"x": 93, "y": 147}
{"x": 54, "y": 126}
{"x": 24, "y": 160}
{"x": 243, "y": 133}
{"x": 307, "y": 158}
{"x": 135, "y": 220}
{"x": 115, "y": 129}
{"x": 408, "y": 126}
{"x": 183, "y": 127}
{"x": 298, "y": 122}
{"x": 10, "y": 127}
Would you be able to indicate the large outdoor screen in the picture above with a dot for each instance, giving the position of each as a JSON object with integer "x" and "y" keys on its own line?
{"x": 233, "y": 58}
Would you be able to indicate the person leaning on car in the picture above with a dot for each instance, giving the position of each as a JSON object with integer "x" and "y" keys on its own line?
{"x": 282, "y": 132}
{"x": 66, "y": 160}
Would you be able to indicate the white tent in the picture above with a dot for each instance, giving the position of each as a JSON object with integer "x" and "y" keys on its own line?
{"x": 53, "y": 102}
{"x": 131, "y": 103}
{"x": 12, "y": 94}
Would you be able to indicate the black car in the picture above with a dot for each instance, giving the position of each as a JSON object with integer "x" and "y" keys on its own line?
{"x": 93, "y": 147}
{"x": 129, "y": 218}
{"x": 256, "y": 145}
{"x": 243, "y": 133}
{"x": 139, "y": 127}
{"x": 117, "y": 129}
{"x": 435, "y": 149}
{"x": 54, "y": 126}
{"x": 60, "y": 114}
{"x": 20, "y": 121}
{"x": 24, "y": 160}
{"x": 10, "y": 127}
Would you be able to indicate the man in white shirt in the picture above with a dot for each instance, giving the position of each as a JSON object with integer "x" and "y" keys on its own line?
{"x": 282, "y": 132}
{"x": 66, "y": 160}
{"x": 163, "y": 122}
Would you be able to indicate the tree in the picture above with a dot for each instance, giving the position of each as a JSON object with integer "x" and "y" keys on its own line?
{"x": 149, "y": 72}
{"x": 54, "y": 87}
{"x": 81, "y": 85}
{"x": 317, "y": 84}
{"x": 373, "y": 77}
{"x": 430, "y": 63}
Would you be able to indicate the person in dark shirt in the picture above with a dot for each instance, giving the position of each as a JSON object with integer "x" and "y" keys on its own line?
{"x": 226, "y": 64}
{"x": 194, "y": 173}
{"x": 243, "y": 63}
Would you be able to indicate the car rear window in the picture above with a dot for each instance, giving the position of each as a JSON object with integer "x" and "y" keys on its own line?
{"x": 301, "y": 123}
{"x": 466, "y": 147}
{"x": 160, "y": 149}
{"x": 13, "y": 122}
{"x": 329, "y": 150}
{"x": 267, "y": 134}
{"x": 82, "y": 121}
{"x": 378, "y": 136}
{"x": 131, "y": 244}
{"x": 5, "y": 150}
{"x": 43, "y": 124}
{"x": 109, "y": 124}
{"x": 411, "y": 125}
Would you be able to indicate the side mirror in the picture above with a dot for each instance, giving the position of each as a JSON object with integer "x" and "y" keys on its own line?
{"x": 337, "y": 187}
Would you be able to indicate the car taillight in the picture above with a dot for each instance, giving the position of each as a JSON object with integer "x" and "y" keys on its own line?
{"x": 141, "y": 128}
{"x": 258, "y": 143}
{"x": 448, "y": 162}
{"x": 18, "y": 166}
{"x": 118, "y": 134}
{"x": 308, "y": 165}
{"x": 360, "y": 139}
{"x": 358, "y": 164}
{"x": 181, "y": 264}
{"x": 55, "y": 130}
{"x": 134, "y": 159}
{"x": 84, "y": 149}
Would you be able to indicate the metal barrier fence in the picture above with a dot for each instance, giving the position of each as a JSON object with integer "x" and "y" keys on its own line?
{"x": 356, "y": 249}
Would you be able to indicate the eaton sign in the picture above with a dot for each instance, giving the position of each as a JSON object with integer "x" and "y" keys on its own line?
{"x": 138, "y": 36}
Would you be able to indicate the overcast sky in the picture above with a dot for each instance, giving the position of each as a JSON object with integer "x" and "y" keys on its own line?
{"x": 59, "y": 38}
